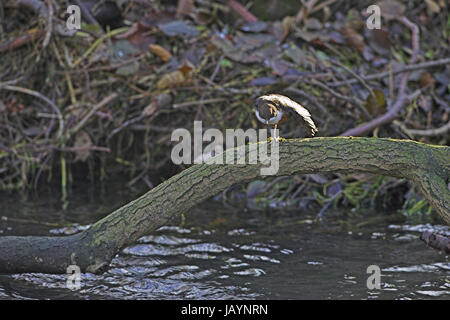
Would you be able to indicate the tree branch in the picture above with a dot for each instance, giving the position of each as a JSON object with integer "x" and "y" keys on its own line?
{"x": 93, "y": 249}
{"x": 401, "y": 96}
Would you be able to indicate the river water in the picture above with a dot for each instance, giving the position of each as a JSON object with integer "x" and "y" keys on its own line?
{"x": 218, "y": 252}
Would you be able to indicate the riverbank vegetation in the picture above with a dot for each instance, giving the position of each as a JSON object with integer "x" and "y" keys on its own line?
{"x": 105, "y": 99}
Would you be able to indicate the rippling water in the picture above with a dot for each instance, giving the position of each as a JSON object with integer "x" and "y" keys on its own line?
{"x": 223, "y": 253}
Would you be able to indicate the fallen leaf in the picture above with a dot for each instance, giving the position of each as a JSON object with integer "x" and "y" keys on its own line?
{"x": 391, "y": 9}
{"x": 138, "y": 34}
{"x": 256, "y": 27}
{"x": 432, "y": 7}
{"x": 296, "y": 54}
{"x": 194, "y": 54}
{"x": 380, "y": 41}
{"x": 233, "y": 52}
{"x": 263, "y": 81}
{"x": 353, "y": 38}
{"x": 185, "y": 7}
{"x": 286, "y": 24}
{"x": 178, "y": 28}
{"x": 186, "y": 67}
{"x": 122, "y": 50}
{"x": 128, "y": 69}
{"x": 161, "y": 52}
{"x": 279, "y": 66}
{"x": 171, "y": 79}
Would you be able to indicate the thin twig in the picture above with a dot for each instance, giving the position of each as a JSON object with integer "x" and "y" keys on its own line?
{"x": 352, "y": 100}
{"x": 410, "y": 67}
{"x": 323, "y": 86}
{"x": 30, "y": 35}
{"x": 357, "y": 77}
{"x": 320, "y": 215}
{"x": 49, "y": 28}
{"x": 100, "y": 105}
{"x": 401, "y": 97}
{"x": 42, "y": 97}
{"x": 322, "y": 5}
{"x": 424, "y": 133}
{"x": 195, "y": 103}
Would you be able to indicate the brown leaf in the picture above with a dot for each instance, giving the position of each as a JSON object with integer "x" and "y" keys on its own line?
{"x": 186, "y": 68}
{"x": 279, "y": 66}
{"x": 161, "y": 52}
{"x": 432, "y": 7}
{"x": 171, "y": 79}
{"x": 380, "y": 41}
{"x": 82, "y": 144}
{"x": 176, "y": 77}
{"x": 353, "y": 38}
{"x": 138, "y": 34}
{"x": 184, "y": 7}
{"x": 391, "y": 9}
{"x": 287, "y": 24}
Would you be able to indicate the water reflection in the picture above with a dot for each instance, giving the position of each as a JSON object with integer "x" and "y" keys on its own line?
{"x": 220, "y": 253}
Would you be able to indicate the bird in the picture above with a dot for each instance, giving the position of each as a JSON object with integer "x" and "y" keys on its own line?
{"x": 274, "y": 109}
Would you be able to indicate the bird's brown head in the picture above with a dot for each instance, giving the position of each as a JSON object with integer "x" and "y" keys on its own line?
{"x": 266, "y": 109}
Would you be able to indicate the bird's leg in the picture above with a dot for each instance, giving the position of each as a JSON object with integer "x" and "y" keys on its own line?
{"x": 274, "y": 132}
{"x": 275, "y": 137}
{"x": 271, "y": 134}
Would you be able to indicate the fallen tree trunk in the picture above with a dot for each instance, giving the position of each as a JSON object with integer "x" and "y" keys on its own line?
{"x": 92, "y": 250}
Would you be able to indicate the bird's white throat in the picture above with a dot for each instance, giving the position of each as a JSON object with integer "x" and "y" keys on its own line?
{"x": 273, "y": 120}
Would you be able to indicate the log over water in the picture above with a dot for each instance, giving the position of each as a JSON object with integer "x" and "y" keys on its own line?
{"x": 92, "y": 250}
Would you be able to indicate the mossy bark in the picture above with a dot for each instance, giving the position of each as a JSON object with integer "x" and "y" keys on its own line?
{"x": 92, "y": 250}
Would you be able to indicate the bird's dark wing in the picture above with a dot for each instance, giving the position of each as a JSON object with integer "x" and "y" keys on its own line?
{"x": 296, "y": 110}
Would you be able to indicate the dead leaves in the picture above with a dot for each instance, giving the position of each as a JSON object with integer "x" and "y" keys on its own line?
{"x": 391, "y": 9}
{"x": 177, "y": 77}
{"x": 161, "y": 52}
{"x": 353, "y": 38}
{"x": 432, "y": 7}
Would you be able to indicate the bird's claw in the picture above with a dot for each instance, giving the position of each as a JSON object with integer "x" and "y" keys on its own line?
{"x": 276, "y": 139}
